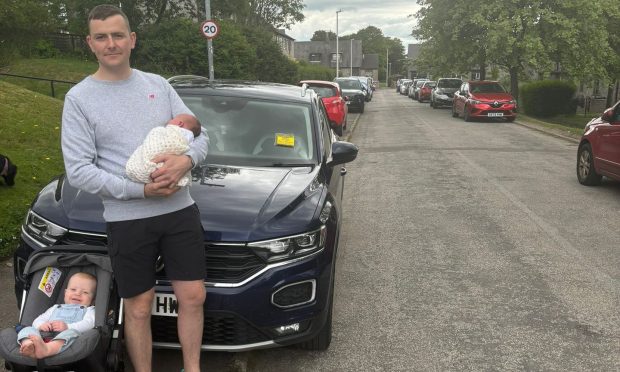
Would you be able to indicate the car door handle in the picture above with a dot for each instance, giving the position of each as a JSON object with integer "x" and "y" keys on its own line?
{"x": 343, "y": 171}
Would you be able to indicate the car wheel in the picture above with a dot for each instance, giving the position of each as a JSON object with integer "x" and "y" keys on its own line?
{"x": 466, "y": 116}
{"x": 586, "y": 174}
{"x": 362, "y": 108}
{"x": 454, "y": 113}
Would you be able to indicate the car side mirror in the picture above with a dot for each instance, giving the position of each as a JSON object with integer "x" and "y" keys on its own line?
{"x": 343, "y": 152}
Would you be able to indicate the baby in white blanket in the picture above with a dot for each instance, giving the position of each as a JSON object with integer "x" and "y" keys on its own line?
{"x": 174, "y": 138}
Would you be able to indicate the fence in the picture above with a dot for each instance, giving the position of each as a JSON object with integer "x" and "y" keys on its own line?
{"x": 52, "y": 81}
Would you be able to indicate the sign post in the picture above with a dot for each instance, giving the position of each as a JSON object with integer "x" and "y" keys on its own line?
{"x": 209, "y": 29}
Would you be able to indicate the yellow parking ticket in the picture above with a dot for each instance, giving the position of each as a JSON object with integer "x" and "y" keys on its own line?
{"x": 285, "y": 140}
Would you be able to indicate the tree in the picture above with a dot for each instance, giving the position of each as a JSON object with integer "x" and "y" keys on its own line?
{"x": 274, "y": 13}
{"x": 374, "y": 42}
{"x": 21, "y": 23}
{"x": 322, "y": 35}
{"x": 271, "y": 64}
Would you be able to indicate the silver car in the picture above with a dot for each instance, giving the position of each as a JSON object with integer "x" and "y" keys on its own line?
{"x": 443, "y": 94}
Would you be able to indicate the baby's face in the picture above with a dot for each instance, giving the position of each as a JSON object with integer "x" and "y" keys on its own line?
{"x": 80, "y": 291}
{"x": 186, "y": 122}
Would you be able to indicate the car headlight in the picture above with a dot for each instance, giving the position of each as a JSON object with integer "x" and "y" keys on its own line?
{"x": 290, "y": 246}
{"x": 475, "y": 102}
{"x": 512, "y": 102}
{"x": 41, "y": 230}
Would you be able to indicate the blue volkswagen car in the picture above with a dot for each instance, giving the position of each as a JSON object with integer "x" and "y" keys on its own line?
{"x": 269, "y": 194}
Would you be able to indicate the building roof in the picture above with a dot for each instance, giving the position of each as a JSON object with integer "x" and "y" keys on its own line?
{"x": 413, "y": 50}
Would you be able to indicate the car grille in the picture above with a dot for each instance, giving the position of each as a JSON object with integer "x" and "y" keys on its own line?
{"x": 225, "y": 263}
{"x": 219, "y": 329}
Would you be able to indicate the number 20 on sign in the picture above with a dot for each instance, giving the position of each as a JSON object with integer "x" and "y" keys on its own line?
{"x": 209, "y": 29}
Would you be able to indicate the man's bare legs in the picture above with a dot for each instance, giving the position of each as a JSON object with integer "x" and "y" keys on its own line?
{"x": 138, "y": 330}
{"x": 35, "y": 347}
{"x": 191, "y": 297}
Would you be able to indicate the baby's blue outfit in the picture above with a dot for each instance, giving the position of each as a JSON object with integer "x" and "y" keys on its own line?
{"x": 68, "y": 313}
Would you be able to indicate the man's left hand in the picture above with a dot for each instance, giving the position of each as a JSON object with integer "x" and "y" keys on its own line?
{"x": 174, "y": 167}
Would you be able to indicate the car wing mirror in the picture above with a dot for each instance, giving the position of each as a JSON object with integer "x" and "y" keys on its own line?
{"x": 343, "y": 152}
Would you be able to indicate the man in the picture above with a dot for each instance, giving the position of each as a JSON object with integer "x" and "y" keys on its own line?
{"x": 106, "y": 117}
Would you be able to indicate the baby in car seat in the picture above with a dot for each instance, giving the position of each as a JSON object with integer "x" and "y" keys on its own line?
{"x": 64, "y": 322}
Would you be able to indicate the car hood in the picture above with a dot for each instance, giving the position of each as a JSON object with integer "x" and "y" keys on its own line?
{"x": 237, "y": 204}
{"x": 492, "y": 96}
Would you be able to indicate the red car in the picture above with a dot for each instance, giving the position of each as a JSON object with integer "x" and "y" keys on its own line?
{"x": 484, "y": 99}
{"x": 599, "y": 150}
{"x": 425, "y": 91}
{"x": 335, "y": 104}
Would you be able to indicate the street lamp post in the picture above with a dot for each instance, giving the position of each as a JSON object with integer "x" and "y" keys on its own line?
{"x": 351, "y": 57}
{"x": 337, "y": 51}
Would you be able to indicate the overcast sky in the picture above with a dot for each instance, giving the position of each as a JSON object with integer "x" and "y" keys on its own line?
{"x": 390, "y": 16}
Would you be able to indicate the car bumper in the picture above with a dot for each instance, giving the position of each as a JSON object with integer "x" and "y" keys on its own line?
{"x": 486, "y": 111}
{"x": 443, "y": 101}
{"x": 292, "y": 295}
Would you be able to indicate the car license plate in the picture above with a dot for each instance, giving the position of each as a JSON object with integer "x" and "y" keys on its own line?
{"x": 494, "y": 114}
{"x": 165, "y": 304}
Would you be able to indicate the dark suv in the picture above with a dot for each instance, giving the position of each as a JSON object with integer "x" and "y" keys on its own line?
{"x": 269, "y": 194}
{"x": 354, "y": 92}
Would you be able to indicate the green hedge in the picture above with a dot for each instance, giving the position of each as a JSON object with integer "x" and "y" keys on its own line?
{"x": 548, "y": 98}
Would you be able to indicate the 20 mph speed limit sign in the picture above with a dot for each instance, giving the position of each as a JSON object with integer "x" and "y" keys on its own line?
{"x": 209, "y": 29}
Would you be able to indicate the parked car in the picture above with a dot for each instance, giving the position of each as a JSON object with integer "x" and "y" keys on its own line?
{"x": 404, "y": 86}
{"x": 270, "y": 200}
{"x": 424, "y": 93}
{"x": 598, "y": 154}
{"x": 398, "y": 84}
{"x": 416, "y": 87}
{"x": 335, "y": 104}
{"x": 443, "y": 94}
{"x": 484, "y": 99}
{"x": 367, "y": 83}
{"x": 353, "y": 91}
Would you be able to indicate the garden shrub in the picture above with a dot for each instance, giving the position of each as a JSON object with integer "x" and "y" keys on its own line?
{"x": 548, "y": 98}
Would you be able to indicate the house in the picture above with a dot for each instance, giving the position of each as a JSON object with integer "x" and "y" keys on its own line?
{"x": 370, "y": 66}
{"x": 286, "y": 43}
{"x": 324, "y": 53}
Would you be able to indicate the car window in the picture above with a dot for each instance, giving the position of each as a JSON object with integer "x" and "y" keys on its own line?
{"x": 349, "y": 84}
{"x": 249, "y": 131}
{"x": 430, "y": 84}
{"x": 487, "y": 88}
{"x": 449, "y": 83}
{"x": 324, "y": 91}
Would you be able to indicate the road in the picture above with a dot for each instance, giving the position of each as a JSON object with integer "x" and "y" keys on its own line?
{"x": 465, "y": 247}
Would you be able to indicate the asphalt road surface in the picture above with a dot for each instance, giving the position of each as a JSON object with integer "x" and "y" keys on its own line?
{"x": 465, "y": 247}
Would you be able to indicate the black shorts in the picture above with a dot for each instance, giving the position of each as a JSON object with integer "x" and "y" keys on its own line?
{"x": 134, "y": 246}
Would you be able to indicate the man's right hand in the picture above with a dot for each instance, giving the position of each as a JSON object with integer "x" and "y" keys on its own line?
{"x": 159, "y": 189}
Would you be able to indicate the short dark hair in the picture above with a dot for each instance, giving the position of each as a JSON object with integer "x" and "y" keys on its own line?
{"x": 104, "y": 11}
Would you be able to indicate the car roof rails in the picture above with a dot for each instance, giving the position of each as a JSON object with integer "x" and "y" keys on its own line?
{"x": 187, "y": 79}
{"x": 304, "y": 88}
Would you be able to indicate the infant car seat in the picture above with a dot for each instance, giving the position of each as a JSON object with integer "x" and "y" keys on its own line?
{"x": 47, "y": 272}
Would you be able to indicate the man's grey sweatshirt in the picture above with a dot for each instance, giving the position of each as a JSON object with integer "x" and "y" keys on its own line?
{"x": 103, "y": 122}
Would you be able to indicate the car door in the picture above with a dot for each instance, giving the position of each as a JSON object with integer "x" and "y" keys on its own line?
{"x": 609, "y": 143}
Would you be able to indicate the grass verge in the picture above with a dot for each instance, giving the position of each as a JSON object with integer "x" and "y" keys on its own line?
{"x": 30, "y": 137}
{"x": 66, "y": 69}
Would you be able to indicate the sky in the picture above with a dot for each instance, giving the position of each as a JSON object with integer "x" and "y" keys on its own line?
{"x": 390, "y": 16}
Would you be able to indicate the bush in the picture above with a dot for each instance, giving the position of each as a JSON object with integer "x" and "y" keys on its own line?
{"x": 548, "y": 98}
{"x": 308, "y": 71}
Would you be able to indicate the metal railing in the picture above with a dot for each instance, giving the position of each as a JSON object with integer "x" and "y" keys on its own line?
{"x": 52, "y": 81}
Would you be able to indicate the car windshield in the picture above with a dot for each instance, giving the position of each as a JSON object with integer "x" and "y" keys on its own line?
{"x": 255, "y": 132}
{"x": 487, "y": 88}
{"x": 324, "y": 91}
{"x": 449, "y": 83}
{"x": 430, "y": 84}
{"x": 350, "y": 84}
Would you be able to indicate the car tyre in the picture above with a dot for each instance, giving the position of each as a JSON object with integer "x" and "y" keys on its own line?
{"x": 586, "y": 174}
